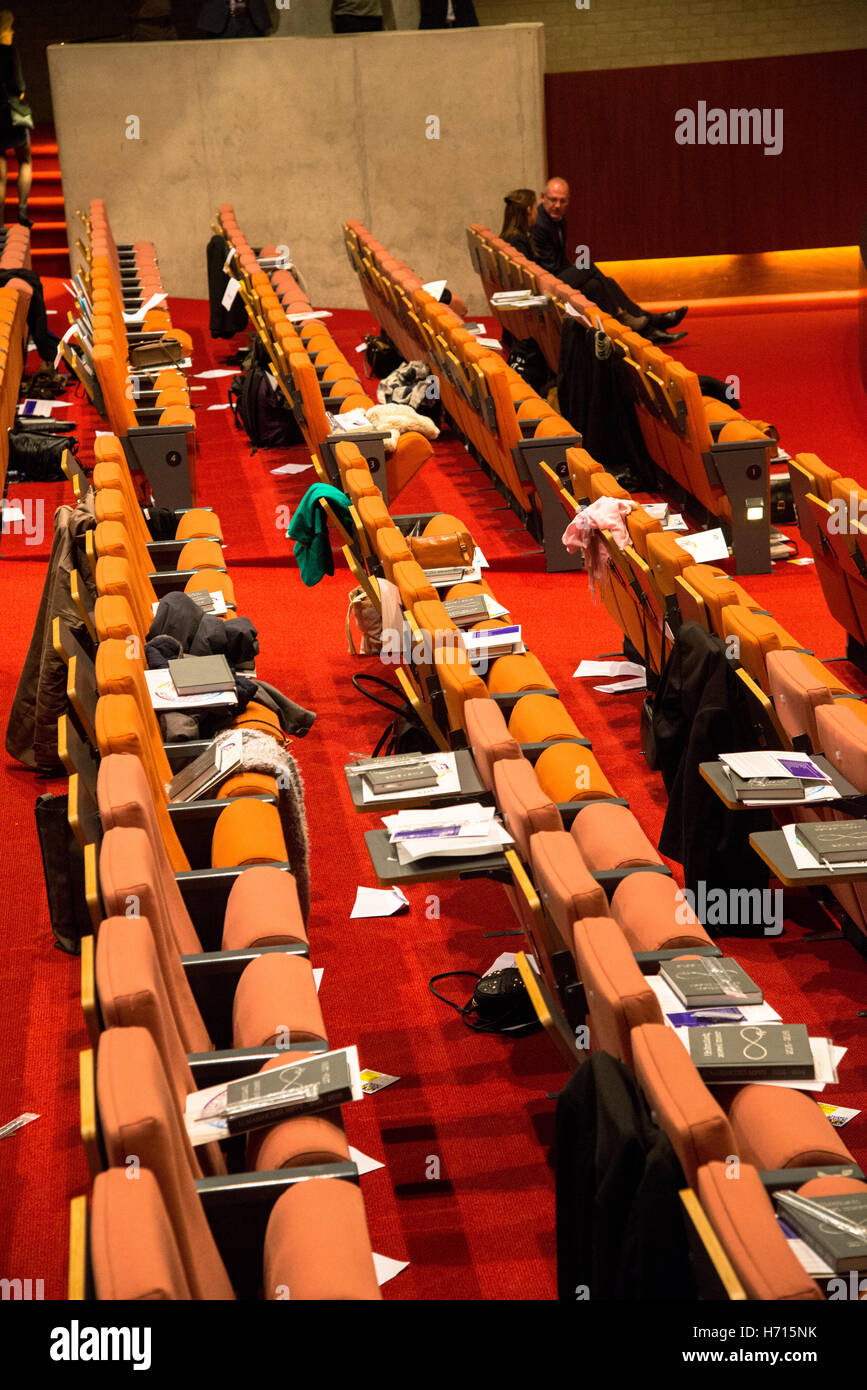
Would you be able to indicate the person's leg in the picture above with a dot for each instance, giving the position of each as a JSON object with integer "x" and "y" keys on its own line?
{"x": 25, "y": 180}
{"x": 37, "y": 319}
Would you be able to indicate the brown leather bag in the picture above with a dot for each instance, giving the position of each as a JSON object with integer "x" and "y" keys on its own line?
{"x": 438, "y": 552}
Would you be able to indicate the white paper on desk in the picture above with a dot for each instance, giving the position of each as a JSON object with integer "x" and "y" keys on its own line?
{"x": 471, "y": 575}
{"x": 287, "y": 468}
{"x": 495, "y": 609}
{"x": 705, "y": 546}
{"x": 378, "y": 902}
{"x": 775, "y": 763}
{"x": 479, "y": 560}
{"x": 425, "y": 817}
{"x": 818, "y": 791}
{"x": 37, "y": 408}
{"x": 620, "y": 687}
{"x": 309, "y": 314}
{"x": 386, "y": 1268}
{"x": 448, "y": 782}
{"x": 609, "y": 668}
{"x": 364, "y": 1163}
{"x": 434, "y": 287}
{"x": 221, "y": 405}
{"x": 460, "y": 846}
{"x": 214, "y": 372}
{"x": 138, "y": 315}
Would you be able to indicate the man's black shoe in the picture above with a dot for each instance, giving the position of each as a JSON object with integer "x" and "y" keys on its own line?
{"x": 656, "y": 335}
{"x": 23, "y": 219}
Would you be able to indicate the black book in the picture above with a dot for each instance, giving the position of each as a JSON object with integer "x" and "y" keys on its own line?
{"x": 400, "y": 779}
{"x": 841, "y": 1250}
{"x": 471, "y": 609}
{"x": 767, "y": 788}
{"x": 706, "y": 982}
{"x": 300, "y": 1088}
{"x": 201, "y": 675}
{"x": 752, "y": 1052}
{"x": 835, "y": 841}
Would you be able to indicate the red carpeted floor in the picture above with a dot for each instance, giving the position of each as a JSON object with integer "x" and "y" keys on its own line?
{"x": 467, "y": 1191}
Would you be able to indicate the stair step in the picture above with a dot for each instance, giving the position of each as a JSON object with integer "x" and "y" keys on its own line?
{"x": 39, "y": 176}
{"x": 37, "y": 200}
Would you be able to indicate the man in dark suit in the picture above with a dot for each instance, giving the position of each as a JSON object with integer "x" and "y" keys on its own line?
{"x": 435, "y": 14}
{"x": 549, "y": 247}
{"x": 235, "y": 19}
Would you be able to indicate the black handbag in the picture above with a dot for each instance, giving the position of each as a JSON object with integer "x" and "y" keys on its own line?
{"x": 381, "y": 355}
{"x": 35, "y": 457}
{"x": 406, "y": 733}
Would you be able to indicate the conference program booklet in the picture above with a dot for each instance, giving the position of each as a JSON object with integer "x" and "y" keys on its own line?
{"x": 305, "y": 1086}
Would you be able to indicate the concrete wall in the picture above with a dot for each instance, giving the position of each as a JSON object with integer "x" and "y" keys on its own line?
{"x": 299, "y": 134}
{"x": 649, "y": 33}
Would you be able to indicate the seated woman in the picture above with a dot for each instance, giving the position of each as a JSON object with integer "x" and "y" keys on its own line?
{"x": 524, "y": 355}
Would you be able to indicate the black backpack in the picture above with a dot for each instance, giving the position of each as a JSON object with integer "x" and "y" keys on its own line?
{"x": 261, "y": 409}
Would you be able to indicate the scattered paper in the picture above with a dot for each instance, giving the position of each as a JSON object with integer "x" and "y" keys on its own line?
{"x": 363, "y": 1162}
{"x": 506, "y": 961}
{"x": 479, "y": 561}
{"x": 434, "y": 287}
{"x": 361, "y": 347}
{"x": 802, "y": 560}
{"x": 573, "y": 312}
{"x": 705, "y": 546}
{"x": 309, "y": 314}
{"x": 291, "y": 468}
{"x": 214, "y": 372}
{"x": 372, "y": 1081}
{"x": 355, "y": 419}
{"x": 318, "y": 972}
{"x": 378, "y": 902}
{"x": 839, "y": 1115}
{"x": 490, "y": 343}
{"x": 620, "y": 687}
{"x": 609, "y": 668}
{"x": 138, "y": 315}
{"x": 387, "y": 1268}
{"x": 11, "y": 513}
{"x": 18, "y": 1123}
{"x": 221, "y": 405}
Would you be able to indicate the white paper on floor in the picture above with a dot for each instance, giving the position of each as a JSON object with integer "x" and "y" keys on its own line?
{"x": 318, "y": 972}
{"x": 363, "y": 1162}
{"x": 609, "y": 668}
{"x": 223, "y": 405}
{"x": 386, "y": 1268}
{"x": 378, "y": 902}
{"x": 214, "y": 372}
{"x": 291, "y": 468}
{"x": 620, "y": 687}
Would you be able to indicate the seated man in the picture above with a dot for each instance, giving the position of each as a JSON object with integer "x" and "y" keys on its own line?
{"x": 548, "y": 237}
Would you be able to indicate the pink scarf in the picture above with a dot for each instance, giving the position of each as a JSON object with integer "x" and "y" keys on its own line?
{"x": 582, "y": 533}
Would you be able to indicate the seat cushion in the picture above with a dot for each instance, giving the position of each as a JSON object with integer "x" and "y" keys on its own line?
{"x": 276, "y": 1003}
{"x": 521, "y": 672}
{"x": 317, "y": 1248}
{"x": 842, "y": 734}
{"x": 778, "y": 1127}
{"x": 609, "y": 837}
{"x": 565, "y": 885}
{"x": 654, "y": 915}
{"x": 262, "y": 909}
{"x": 540, "y": 718}
{"x": 570, "y": 772}
{"x": 248, "y": 832}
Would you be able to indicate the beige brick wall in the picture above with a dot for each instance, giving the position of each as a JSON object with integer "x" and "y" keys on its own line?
{"x": 627, "y": 33}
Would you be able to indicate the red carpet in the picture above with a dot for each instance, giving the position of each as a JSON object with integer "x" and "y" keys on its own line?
{"x": 467, "y": 1192}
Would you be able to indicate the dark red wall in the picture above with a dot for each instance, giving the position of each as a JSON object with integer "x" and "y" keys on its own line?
{"x": 636, "y": 192}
